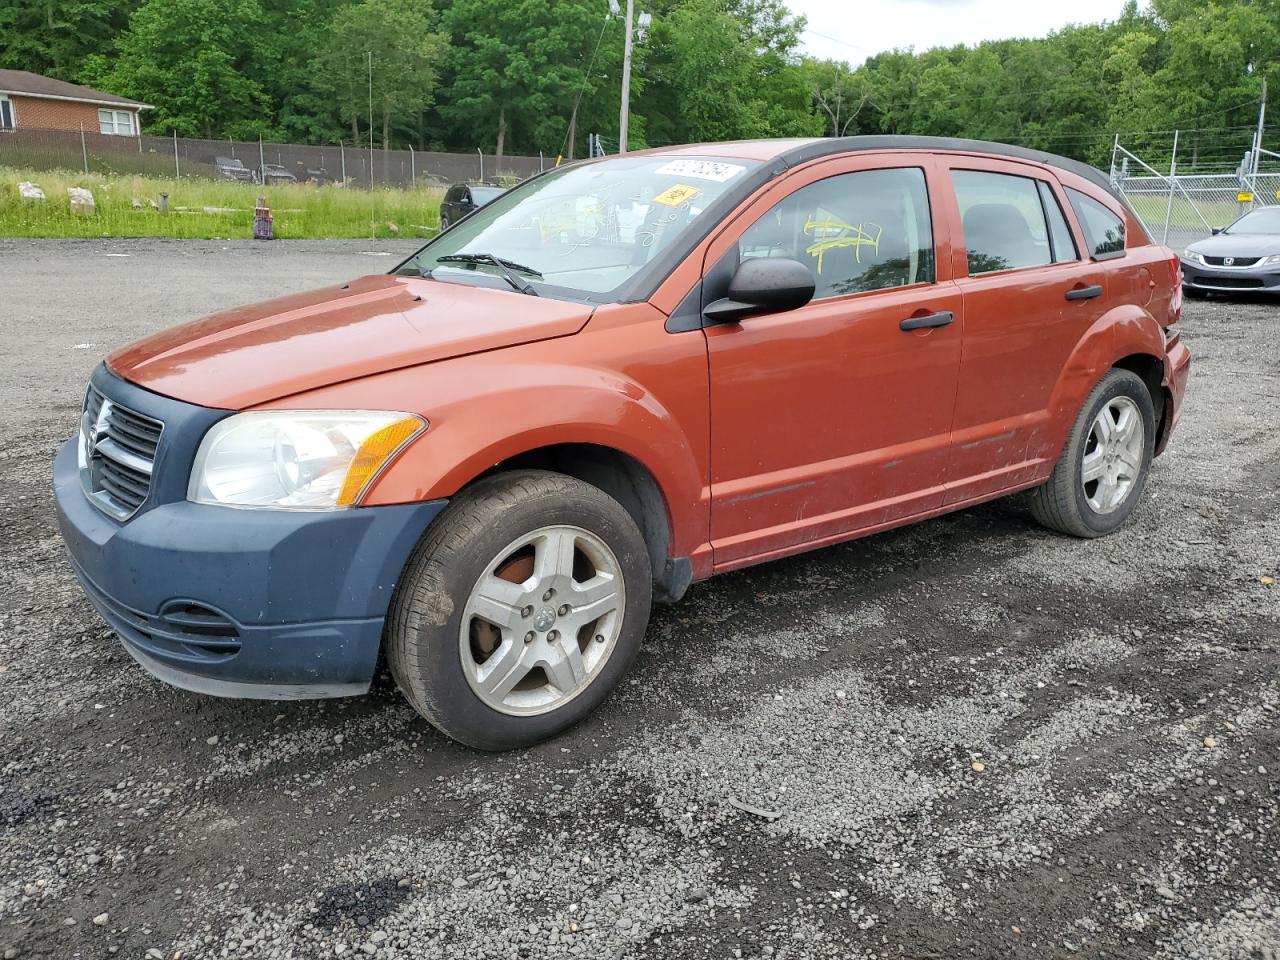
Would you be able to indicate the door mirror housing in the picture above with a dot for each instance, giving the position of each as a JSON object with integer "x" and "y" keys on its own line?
{"x": 1217, "y": 230}
{"x": 763, "y": 285}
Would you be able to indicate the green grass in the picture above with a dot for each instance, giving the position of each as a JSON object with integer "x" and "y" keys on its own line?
{"x": 1182, "y": 214}
{"x": 204, "y": 209}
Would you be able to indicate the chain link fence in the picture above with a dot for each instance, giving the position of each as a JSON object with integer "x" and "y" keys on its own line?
{"x": 355, "y": 166}
{"x": 1179, "y": 208}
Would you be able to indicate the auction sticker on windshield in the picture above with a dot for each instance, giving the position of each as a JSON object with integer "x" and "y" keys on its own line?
{"x": 680, "y": 193}
{"x": 700, "y": 169}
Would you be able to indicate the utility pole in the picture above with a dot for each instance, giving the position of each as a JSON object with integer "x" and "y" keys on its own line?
{"x": 625, "y": 115}
{"x": 373, "y": 229}
{"x": 1257, "y": 136}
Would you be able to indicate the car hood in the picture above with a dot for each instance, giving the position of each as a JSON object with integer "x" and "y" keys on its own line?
{"x": 252, "y": 355}
{"x": 1237, "y": 245}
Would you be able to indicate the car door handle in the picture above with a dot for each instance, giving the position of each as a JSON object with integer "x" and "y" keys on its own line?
{"x": 939, "y": 319}
{"x": 1084, "y": 293}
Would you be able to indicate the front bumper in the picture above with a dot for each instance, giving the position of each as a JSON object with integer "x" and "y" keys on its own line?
{"x": 1231, "y": 279}
{"x": 244, "y": 603}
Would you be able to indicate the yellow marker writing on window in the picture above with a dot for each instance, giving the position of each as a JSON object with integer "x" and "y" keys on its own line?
{"x": 680, "y": 193}
{"x": 833, "y": 234}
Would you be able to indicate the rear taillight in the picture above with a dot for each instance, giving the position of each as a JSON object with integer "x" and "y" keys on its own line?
{"x": 1175, "y": 293}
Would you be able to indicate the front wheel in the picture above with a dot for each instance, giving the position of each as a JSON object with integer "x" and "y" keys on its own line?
{"x": 444, "y": 223}
{"x": 1101, "y": 474}
{"x": 520, "y": 610}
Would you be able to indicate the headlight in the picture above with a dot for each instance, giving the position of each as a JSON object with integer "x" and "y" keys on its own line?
{"x": 1271, "y": 261}
{"x": 296, "y": 460}
{"x": 1191, "y": 255}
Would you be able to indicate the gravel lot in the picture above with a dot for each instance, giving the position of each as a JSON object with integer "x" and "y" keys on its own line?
{"x": 967, "y": 738}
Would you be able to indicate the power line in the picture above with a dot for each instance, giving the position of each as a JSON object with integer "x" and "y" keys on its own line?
{"x": 843, "y": 43}
{"x": 585, "y": 79}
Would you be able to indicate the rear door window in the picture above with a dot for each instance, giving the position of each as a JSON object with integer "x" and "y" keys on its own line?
{"x": 861, "y": 231}
{"x": 1103, "y": 230}
{"x": 1003, "y": 221}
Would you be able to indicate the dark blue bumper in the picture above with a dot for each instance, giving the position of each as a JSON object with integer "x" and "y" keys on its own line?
{"x": 244, "y": 603}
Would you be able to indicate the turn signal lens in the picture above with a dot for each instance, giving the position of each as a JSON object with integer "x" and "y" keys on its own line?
{"x": 373, "y": 455}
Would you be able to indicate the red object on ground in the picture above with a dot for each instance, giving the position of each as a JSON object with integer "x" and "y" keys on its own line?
{"x": 262, "y": 224}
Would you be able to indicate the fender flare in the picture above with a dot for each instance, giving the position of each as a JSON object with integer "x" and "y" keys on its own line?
{"x": 482, "y": 424}
{"x": 1123, "y": 331}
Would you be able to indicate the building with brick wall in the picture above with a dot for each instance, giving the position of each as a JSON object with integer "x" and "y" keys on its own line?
{"x": 29, "y": 101}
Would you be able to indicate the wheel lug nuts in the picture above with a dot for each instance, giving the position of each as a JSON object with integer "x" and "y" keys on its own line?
{"x": 528, "y": 637}
{"x": 553, "y": 636}
{"x": 526, "y": 611}
{"x": 564, "y": 609}
{"x": 549, "y": 594}
{"x": 599, "y": 638}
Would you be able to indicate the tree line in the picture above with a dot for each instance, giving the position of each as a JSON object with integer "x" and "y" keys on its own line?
{"x": 519, "y": 76}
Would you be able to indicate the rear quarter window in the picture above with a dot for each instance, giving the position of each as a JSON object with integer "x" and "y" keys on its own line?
{"x": 1103, "y": 230}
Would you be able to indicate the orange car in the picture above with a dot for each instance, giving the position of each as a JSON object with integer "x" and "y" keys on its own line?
{"x": 623, "y": 376}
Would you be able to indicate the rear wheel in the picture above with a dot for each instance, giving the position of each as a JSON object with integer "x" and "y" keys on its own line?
{"x": 520, "y": 610}
{"x": 1102, "y": 472}
{"x": 444, "y": 223}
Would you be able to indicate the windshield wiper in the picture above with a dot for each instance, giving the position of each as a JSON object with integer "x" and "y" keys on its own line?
{"x": 506, "y": 266}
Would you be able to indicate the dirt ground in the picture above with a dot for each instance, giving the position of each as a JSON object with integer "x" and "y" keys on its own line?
{"x": 969, "y": 738}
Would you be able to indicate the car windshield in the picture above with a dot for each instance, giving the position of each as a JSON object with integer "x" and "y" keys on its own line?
{"x": 586, "y": 229}
{"x": 1264, "y": 220}
{"x": 485, "y": 194}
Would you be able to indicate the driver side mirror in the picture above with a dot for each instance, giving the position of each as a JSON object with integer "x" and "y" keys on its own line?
{"x": 1217, "y": 230}
{"x": 763, "y": 285}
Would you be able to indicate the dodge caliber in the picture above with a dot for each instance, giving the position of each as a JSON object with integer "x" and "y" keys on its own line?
{"x": 621, "y": 377}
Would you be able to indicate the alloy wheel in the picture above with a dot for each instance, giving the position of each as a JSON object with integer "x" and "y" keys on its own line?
{"x": 1113, "y": 455}
{"x": 542, "y": 620}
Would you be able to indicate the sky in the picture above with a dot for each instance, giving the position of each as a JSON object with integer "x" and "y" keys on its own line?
{"x": 855, "y": 29}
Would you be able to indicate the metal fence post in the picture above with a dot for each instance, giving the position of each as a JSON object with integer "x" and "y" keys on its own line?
{"x": 84, "y": 150}
{"x": 1173, "y": 172}
{"x": 262, "y": 163}
{"x": 541, "y": 166}
{"x": 413, "y": 168}
{"x": 479, "y": 151}
{"x": 343, "y": 151}
{"x": 177, "y": 173}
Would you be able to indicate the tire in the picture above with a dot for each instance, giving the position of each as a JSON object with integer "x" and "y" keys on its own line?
{"x": 444, "y": 223}
{"x": 1065, "y": 502}
{"x": 511, "y": 531}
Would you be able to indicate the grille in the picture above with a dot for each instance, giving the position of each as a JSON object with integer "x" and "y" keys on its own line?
{"x": 117, "y": 452}
{"x": 1233, "y": 283}
{"x": 1235, "y": 261}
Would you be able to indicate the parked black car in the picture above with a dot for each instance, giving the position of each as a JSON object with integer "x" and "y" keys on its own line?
{"x": 274, "y": 173}
{"x": 1243, "y": 256}
{"x": 230, "y": 168}
{"x": 462, "y": 198}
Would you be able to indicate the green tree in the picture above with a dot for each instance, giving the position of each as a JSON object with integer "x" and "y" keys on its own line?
{"x": 53, "y": 37}
{"x": 838, "y": 94}
{"x": 517, "y": 68}
{"x": 396, "y": 40}
{"x": 725, "y": 70}
{"x": 195, "y": 61}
